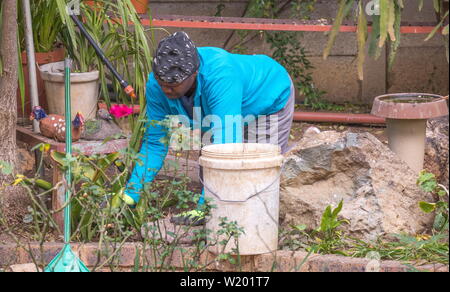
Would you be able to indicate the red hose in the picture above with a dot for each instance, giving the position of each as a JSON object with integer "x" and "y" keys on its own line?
{"x": 344, "y": 118}
{"x": 338, "y": 118}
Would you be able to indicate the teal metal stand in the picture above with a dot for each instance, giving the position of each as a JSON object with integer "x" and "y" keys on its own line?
{"x": 67, "y": 260}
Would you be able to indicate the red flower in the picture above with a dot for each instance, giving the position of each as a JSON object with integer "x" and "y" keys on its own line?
{"x": 120, "y": 111}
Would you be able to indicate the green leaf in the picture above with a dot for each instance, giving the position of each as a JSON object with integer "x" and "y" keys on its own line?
{"x": 427, "y": 207}
{"x": 395, "y": 44}
{"x": 337, "y": 210}
{"x": 439, "y": 222}
{"x": 427, "y": 181}
{"x": 6, "y": 168}
{"x": 391, "y": 21}
{"x": 384, "y": 22}
{"x": 442, "y": 193}
{"x": 420, "y": 5}
{"x": 437, "y": 5}
{"x": 362, "y": 39}
{"x": 445, "y": 30}
{"x": 344, "y": 9}
{"x": 300, "y": 227}
{"x": 433, "y": 32}
{"x": 374, "y": 50}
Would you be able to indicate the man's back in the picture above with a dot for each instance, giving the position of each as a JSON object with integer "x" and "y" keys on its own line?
{"x": 265, "y": 83}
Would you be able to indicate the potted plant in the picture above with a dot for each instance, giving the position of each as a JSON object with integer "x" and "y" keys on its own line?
{"x": 85, "y": 74}
{"x": 123, "y": 39}
{"x": 46, "y": 26}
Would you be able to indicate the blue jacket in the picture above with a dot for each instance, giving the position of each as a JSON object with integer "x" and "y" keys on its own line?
{"x": 227, "y": 84}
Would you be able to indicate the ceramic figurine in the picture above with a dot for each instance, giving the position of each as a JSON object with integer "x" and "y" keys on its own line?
{"x": 54, "y": 126}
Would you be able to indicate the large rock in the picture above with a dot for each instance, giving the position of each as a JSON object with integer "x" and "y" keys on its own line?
{"x": 379, "y": 191}
{"x": 436, "y": 149}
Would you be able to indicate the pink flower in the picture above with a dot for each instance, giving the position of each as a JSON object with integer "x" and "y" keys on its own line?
{"x": 120, "y": 111}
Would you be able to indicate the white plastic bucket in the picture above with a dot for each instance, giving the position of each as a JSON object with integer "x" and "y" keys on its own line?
{"x": 243, "y": 183}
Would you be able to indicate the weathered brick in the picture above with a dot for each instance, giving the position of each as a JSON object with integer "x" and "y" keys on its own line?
{"x": 434, "y": 268}
{"x": 282, "y": 261}
{"x": 9, "y": 254}
{"x": 34, "y": 254}
{"x": 333, "y": 263}
{"x": 124, "y": 258}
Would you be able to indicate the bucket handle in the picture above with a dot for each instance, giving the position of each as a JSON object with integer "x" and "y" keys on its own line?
{"x": 242, "y": 201}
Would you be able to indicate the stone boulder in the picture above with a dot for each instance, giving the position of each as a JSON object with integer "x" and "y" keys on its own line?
{"x": 436, "y": 149}
{"x": 379, "y": 190}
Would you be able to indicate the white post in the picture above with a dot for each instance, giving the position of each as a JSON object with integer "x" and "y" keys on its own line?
{"x": 31, "y": 59}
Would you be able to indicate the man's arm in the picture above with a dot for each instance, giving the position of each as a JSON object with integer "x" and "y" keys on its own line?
{"x": 152, "y": 153}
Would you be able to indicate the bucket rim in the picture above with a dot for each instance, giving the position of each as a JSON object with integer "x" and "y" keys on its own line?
{"x": 241, "y": 150}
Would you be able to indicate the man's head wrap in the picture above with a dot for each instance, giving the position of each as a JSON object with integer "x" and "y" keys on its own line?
{"x": 176, "y": 58}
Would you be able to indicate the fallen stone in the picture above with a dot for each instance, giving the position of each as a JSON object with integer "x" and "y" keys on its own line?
{"x": 25, "y": 268}
{"x": 378, "y": 189}
{"x": 311, "y": 131}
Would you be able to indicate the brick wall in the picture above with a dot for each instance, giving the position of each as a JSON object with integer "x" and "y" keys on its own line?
{"x": 420, "y": 66}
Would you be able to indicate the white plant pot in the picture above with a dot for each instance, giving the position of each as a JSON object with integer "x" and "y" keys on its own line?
{"x": 83, "y": 90}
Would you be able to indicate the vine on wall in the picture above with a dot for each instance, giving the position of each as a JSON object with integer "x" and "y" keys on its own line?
{"x": 286, "y": 46}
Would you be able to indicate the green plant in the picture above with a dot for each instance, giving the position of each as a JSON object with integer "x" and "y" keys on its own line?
{"x": 99, "y": 215}
{"x": 116, "y": 27}
{"x": 385, "y": 27}
{"x": 230, "y": 231}
{"x": 427, "y": 182}
{"x": 328, "y": 237}
{"x": 46, "y": 24}
{"x": 405, "y": 248}
{"x": 286, "y": 47}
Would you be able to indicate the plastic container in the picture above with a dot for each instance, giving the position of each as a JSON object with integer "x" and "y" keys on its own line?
{"x": 243, "y": 182}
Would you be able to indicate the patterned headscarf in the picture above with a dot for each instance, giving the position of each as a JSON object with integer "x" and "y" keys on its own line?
{"x": 176, "y": 58}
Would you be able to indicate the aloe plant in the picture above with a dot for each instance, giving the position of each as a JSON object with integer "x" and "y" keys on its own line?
{"x": 385, "y": 27}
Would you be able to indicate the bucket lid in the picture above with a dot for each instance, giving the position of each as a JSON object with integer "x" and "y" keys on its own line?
{"x": 241, "y": 156}
{"x": 241, "y": 150}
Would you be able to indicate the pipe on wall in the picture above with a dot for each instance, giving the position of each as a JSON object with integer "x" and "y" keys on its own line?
{"x": 344, "y": 118}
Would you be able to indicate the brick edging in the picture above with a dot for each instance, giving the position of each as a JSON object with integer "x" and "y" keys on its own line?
{"x": 281, "y": 261}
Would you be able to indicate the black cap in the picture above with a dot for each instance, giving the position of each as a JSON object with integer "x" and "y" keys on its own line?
{"x": 176, "y": 58}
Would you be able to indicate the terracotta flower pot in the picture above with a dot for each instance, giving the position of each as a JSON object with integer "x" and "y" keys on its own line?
{"x": 41, "y": 59}
{"x": 141, "y": 6}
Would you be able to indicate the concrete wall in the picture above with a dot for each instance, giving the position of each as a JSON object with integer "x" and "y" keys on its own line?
{"x": 420, "y": 66}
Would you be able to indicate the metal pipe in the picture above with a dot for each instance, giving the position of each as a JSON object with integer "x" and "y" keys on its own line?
{"x": 34, "y": 95}
{"x": 32, "y": 77}
{"x": 68, "y": 110}
{"x": 345, "y": 118}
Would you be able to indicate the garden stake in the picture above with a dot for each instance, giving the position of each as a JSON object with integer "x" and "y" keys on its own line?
{"x": 66, "y": 260}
